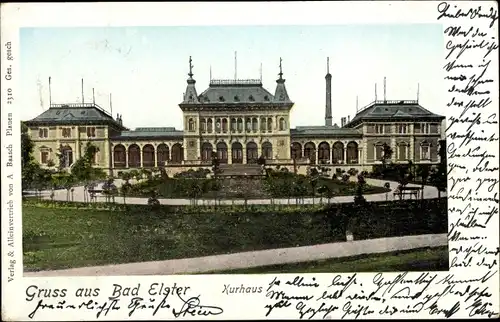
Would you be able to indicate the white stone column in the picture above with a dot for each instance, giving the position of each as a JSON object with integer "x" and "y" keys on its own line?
{"x": 126, "y": 156}
{"x": 140, "y": 154}
{"x": 345, "y": 153}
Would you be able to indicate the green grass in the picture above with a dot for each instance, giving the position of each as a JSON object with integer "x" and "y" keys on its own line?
{"x": 428, "y": 259}
{"x": 59, "y": 235}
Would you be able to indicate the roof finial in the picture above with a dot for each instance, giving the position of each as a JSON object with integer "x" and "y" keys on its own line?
{"x": 210, "y": 72}
{"x": 418, "y": 91}
{"x": 356, "y": 103}
{"x": 190, "y": 67}
{"x": 281, "y": 70}
{"x": 328, "y": 65}
{"x": 261, "y": 72}
{"x": 375, "y": 91}
{"x": 385, "y": 98}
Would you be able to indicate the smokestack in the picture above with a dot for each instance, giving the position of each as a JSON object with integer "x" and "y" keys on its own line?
{"x": 342, "y": 122}
{"x": 328, "y": 107}
{"x": 385, "y": 98}
{"x": 50, "y": 94}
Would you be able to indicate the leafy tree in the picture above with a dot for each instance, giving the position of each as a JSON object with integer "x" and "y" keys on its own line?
{"x": 359, "y": 199}
{"x": 387, "y": 153}
{"x": 83, "y": 169}
{"x": 324, "y": 191}
{"x": 29, "y": 166}
{"x": 438, "y": 178}
{"x": 423, "y": 171}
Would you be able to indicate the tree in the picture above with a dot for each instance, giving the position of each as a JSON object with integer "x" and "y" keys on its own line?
{"x": 216, "y": 171}
{"x": 386, "y": 155}
{"x": 423, "y": 171}
{"x": 83, "y": 169}
{"x": 438, "y": 178}
{"x": 324, "y": 191}
{"x": 29, "y": 166}
{"x": 359, "y": 199}
{"x": 313, "y": 180}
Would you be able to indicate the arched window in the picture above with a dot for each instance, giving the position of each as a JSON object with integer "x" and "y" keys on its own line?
{"x": 282, "y": 124}
{"x": 249, "y": 124}
{"x": 240, "y": 125}
{"x": 296, "y": 151}
{"x": 237, "y": 152}
{"x": 352, "y": 153}
{"x": 162, "y": 154}
{"x": 324, "y": 152}
{"x": 191, "y": 125}
{"x": 119, "y": 157}
{"x": 134, "y": 156}
{"x": 206, "y": 151}
{"x": 263, "y": 124}
{"x": 209, "y": 126}
{"x": 269, "y": 124}
{"x": 234, "y": 125}
{"x": 177, "y": 153}
{"x": 252, "y": 153}
{"x": 338, "y": 153}
{"x": 255, "y": 124}
{"x": 310, "y": 151}
{"x": 148, "y": 156}
{"x": 203, "y": 124}
{"x": 267, "y": 150}
{"x": 224, "y": 125}
{"x": 222, "y": 152}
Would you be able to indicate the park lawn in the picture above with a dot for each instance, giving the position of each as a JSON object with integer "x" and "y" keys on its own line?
{"x": 65, "y": 238}
{"x": 427, "y": 259}
{"x": 58, "y": 235}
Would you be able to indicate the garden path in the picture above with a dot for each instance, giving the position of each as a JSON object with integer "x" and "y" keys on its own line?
{"x": 255, "y": 258}
{"x": 429, "y": 193}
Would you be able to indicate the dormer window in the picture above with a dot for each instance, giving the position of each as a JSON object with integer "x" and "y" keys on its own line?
{"x": 266, "y": 98}
{"x": 236, "y": 98}
{"x": 251, "y": 99}
{"x": 221, "y": 98}
{"x": 83, "y": 112}
{"x": 207, "y": 99}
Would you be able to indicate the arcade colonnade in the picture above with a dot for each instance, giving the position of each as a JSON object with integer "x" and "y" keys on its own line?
{"x": 328, "y": 153}
{"x": 154, "y": 155}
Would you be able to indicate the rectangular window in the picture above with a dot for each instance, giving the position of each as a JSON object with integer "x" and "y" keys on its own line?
{"x": 425, "y": 152}
{"x": 379, "y": 129}
{"x": 66, "y": 132}
{"x": 402, "y": 128}
{"x": 43, "y": 133}
{"x": 379, "y": 152}
{"x": 44, "y": 157}
{"x": 425, "y": 128}
{"x": 91, "y": 132}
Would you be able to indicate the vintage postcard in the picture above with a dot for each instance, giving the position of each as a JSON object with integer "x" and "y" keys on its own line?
{"x": 268, "y": 160}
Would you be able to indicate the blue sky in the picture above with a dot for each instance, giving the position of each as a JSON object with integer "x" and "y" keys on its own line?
{"x": 145, "y": 68}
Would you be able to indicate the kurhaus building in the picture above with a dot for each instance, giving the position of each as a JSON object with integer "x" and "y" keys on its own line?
{"x": 241, "y": 121}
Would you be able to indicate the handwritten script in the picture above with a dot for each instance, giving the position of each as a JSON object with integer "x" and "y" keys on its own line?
{"x": 470, "y": 288}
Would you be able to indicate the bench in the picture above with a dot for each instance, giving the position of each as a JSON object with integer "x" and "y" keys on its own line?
{"x": 98, "y": 193}
{"x": 407, "y": 192}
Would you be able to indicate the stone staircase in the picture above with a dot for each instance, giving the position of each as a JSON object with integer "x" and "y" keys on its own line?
{"x": 240, "y": 170}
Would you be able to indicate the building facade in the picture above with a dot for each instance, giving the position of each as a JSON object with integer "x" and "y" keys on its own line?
{"x": 241, "y": 121}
